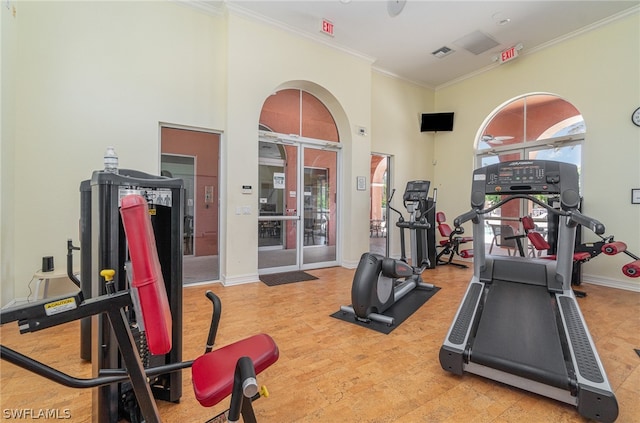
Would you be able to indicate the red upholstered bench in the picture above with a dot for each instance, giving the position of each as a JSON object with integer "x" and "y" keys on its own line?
{"x": 216, "y": 374}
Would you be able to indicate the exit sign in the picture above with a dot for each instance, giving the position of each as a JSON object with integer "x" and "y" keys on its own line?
{"x": 327, "y": 27}
{"x": 508, "y": 54}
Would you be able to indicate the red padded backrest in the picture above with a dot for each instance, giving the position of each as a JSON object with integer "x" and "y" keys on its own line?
{"x": 147, "y": 274}
{"x": 538, "y": 241}
{"x": 527, "y": 223}
{"x": 443, "y": 228}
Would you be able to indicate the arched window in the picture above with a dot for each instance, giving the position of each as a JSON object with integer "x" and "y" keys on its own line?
{"x": 534, "y": 126}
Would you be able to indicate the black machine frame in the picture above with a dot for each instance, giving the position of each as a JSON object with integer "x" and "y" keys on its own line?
{"x": 103, "y": 245}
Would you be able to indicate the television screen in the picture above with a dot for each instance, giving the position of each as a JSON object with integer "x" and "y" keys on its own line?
{"x": 436, "y": 122}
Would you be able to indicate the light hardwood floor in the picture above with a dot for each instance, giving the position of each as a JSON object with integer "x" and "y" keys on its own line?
{"x": 332, "y": 371}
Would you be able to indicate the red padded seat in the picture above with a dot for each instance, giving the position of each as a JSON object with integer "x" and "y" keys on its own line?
{"x": 445, "y": 230}
{"x": 583, "y": 256}
{"x": 212, "y": 373}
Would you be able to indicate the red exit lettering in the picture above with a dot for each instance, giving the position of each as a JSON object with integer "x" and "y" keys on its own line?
{"x": 327, "y": 27}
{"x": 508, "y": 54}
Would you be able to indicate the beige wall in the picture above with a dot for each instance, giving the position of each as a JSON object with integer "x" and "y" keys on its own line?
{"x": 8, "y": 70}
{"x": 597, "y": 72}
{"x": 89, "y": 75}
{"x": 79, "y": 76}
{"x": 264, "y": 59}
{"x": 396, "y": 106}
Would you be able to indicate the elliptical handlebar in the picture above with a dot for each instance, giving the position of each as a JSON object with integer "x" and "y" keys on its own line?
{"x": 401, "y": 218}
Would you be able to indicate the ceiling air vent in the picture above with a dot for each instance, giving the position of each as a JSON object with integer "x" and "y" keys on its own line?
{"x": 442, "y": 52}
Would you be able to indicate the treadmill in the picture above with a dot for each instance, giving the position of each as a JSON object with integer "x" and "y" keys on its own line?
{"x": 519, "y": 322}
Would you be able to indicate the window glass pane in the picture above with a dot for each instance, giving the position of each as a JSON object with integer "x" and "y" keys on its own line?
{"x": 506, "y": 127}
{"x": 281, "y": 112}
{"x": 549, "y": 116}
{"x": 317, "y": 121}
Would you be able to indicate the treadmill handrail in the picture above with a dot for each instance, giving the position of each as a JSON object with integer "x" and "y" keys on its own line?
{"x": 574, "y": 215}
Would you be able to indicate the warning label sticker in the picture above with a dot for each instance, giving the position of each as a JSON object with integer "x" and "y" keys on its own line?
{"x": 60, "y": 306}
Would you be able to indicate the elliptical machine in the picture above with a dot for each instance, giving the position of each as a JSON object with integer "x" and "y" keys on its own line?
{"x": 377, "y": 283}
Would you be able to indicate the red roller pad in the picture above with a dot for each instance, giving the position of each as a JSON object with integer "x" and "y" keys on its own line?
{"x": 613, "y": 248}
{"x": 466, "y": 253}
{"x": 212, "y": 373}
{"x": 632, "y": 269}
{"x": 147, "y": 274}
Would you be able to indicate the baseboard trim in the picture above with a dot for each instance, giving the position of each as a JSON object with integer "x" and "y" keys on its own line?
{"x": 240, "y": 280}
{"x": 348, "y": 264}
{"x": 611, "y": 283}
{"x": 16, "y": 302}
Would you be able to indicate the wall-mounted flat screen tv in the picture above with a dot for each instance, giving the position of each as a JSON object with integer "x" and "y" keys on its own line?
{"x": 436, "y": 122}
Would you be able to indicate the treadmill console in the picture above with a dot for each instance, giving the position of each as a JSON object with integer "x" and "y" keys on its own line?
{"x": 526, "y": 177}
{"x": 416, "y": 191}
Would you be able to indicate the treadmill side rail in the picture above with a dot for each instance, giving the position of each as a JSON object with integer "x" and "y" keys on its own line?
{"x": 595, "y": 396}
{"x": 452, "y": 352}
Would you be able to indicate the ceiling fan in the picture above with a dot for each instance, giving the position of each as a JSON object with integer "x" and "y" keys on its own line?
{"x": 394, "y": 7}
{"x": 490, "y": 139}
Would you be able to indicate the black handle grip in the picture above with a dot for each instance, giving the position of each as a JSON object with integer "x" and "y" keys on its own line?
{"x": 458, "y": 221}
{"x": 587, "y": 221}
{"x": 215, "y": 320}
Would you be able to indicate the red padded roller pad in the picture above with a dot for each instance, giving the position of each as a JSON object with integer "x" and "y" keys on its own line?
{"x": 212, "y": 373}
{"x": 147, "y": 274}
{"x": 632, "y": 269}
{"x": 613, "y": 248}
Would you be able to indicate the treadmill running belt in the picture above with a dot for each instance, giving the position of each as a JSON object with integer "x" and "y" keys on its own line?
{"x": 518, "y": 334}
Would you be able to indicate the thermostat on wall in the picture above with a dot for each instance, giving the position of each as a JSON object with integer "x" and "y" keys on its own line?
{"x": 246, "y": 189}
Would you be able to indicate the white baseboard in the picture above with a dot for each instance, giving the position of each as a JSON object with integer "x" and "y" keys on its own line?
{"x": 16, "y": 302}
{"x": 188, "y": 285}
{"x": 348, "y": 264}
{"x": 627, "y": 285}
{"x": 240, "y": 280}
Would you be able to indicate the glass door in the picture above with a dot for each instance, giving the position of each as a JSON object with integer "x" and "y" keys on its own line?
{"x": 320, "y": 176}
{"x": 278, "y": 207}
{"x": 298, "y": 213}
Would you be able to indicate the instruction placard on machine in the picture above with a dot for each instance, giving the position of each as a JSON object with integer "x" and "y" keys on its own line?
{"x": 154, "y": 196}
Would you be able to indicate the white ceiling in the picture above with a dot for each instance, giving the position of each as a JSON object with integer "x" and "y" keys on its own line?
{"x": 402, "y": 45}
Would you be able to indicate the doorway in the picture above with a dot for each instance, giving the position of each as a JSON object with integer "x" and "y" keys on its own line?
{"x": 194, "y": 156}
{"x": 379, "y": 214}
{"x": 298, "y": 210}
